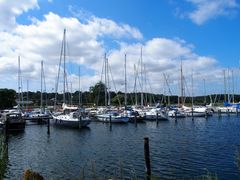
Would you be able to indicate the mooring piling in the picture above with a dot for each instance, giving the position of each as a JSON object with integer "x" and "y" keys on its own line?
{"x": 48, "y": 124}
{"x": 219, "y": 113}
{"x": 135, "y": 119}
{"x": 80, "y": 122}
{"x": 147, "y": 158}
{"x": 192, "y": 114}
{"x": 110, "y": 122}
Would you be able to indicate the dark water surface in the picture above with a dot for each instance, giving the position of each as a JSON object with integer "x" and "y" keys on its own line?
{"x": 184, "y": 149}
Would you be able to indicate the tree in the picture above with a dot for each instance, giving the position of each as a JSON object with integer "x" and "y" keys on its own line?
{"x": 7, "y": 98}
{"x": 98, "y": 93}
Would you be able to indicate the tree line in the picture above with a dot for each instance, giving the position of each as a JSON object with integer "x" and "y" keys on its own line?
{"x": 96, "y": 97}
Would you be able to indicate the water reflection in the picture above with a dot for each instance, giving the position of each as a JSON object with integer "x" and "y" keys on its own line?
{"x": 182, "y": 149}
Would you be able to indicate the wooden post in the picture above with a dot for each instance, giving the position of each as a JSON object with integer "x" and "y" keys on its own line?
{"x": 175, "y": 114}
{"x": 110, "y": 122}
{"x": 206, "y": 115}
{"x": 157, "y": 119}
{"x": 192, "y": 114}
{"x": 219, "y": 113}
{"x": 80, "y": 122}
{"x": 48, "y": 131}
{"x": 237, "y": 111}
{"x": 135, "y": 119}
{"x": 147, "y": 158}
{"x": 228, "y": 113}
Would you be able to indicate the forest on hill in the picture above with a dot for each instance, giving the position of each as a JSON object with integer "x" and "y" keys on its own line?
{"x": 96, "y": 97}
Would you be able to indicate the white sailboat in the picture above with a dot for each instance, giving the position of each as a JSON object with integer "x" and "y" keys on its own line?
{"x": 70, "y": 116}
{"x": 109, "y": 114}
{"x": 40, "y": 113}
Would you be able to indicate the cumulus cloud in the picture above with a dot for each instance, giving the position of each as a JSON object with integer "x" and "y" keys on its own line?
{"x": 210, "y": 9}
{"x": 161, "y": 56}
{"x": 41, "y": 40}
{"x": 10, "y": 9}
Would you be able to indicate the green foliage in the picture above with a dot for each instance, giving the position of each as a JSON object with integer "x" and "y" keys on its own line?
{"x": 96, "y": 96}
{"x": 7, "y": 98}
{"x": 98, "y": 93}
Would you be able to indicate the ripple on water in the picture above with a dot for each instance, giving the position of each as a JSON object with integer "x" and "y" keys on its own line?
{"x": 181, "y": 149}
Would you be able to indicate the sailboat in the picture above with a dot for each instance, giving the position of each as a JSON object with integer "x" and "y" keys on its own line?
{"x": 40, "y": 113}
{"x": 12, "y": 119}
{"x": 70, "y": 116}
{"x": 111, "y": 115}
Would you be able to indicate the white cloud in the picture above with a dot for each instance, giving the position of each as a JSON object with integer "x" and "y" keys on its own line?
{"x": 41, "y": 40}
{"x": 210, "y": 9}
{"x": 10, "y": 9}
{"x": 161, "y": 55}
{"x": 103, "y": 26}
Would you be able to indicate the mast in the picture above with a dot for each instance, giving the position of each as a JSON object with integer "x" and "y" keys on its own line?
{"x": 145, "y": 82}
{"x": 141, "y": 79}
{"x": 19, "y": 87}
{"x": 192, "y": 91}
{"x": 79, "y": 84}
{"x": 233, "y": 87}
{"x": 108, "y": 84}
{"x": 135, "y": 84}
{"x": 27, "y": 94}
{"x": 71, "y": 95}
{"x": 59, "y": 69}
{"x": 125, "y": 83}
{"x": 181, "y": 84}
{"x": 41, "y": 102}
{"x": 204, "y": 85}
{"x": 64, "y": 65}
{"x": 228, "y": 83}
{"x": 105, "y": 77}
{"x": 225, "y": 92}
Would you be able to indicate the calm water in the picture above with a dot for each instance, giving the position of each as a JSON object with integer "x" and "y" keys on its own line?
{"x": 184, "y": 149}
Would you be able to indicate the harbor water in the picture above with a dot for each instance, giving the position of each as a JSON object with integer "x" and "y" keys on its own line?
{"x": 182, "y": 149}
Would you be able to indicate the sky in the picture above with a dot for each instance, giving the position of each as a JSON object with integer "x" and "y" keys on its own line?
{"x": 202, "y": 34}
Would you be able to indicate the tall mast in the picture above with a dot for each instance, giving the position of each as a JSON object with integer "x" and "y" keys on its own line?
{"x": 125, "y": 83}
{"x": 64, "y": 65}
{"x": 79, "y": 84}
{"x": 141, "y": 79}
{"x": 108, "y": 84}
{"x": 233, "y": 87}
{"x": 192, "y": 90}
{"x": 105, "y": 77}
{"x": 145, "y": 82}
{"x": 225, "y": 92}
{"x": 41, "y": 103}
{"x": 19, "y": 87}
{"x": 204, "y": 85}
{"x": 181, "y": 83}
{"x": 59, "y": 69}
{"x": 228, "y": 83}
{"x": 27, "y": 94}
{"x": 135, "y": 84}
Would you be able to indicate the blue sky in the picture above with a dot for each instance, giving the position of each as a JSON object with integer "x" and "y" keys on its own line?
{"x": 218, "y": 37}
{"x": 204, "y": 34}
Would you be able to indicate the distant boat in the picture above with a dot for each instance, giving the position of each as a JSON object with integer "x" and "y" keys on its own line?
{"x": 116, "y": 117}
{"x": 72, "y": 119}
{"x": 175, "y": 113}
{"x": 13, "y": 121}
